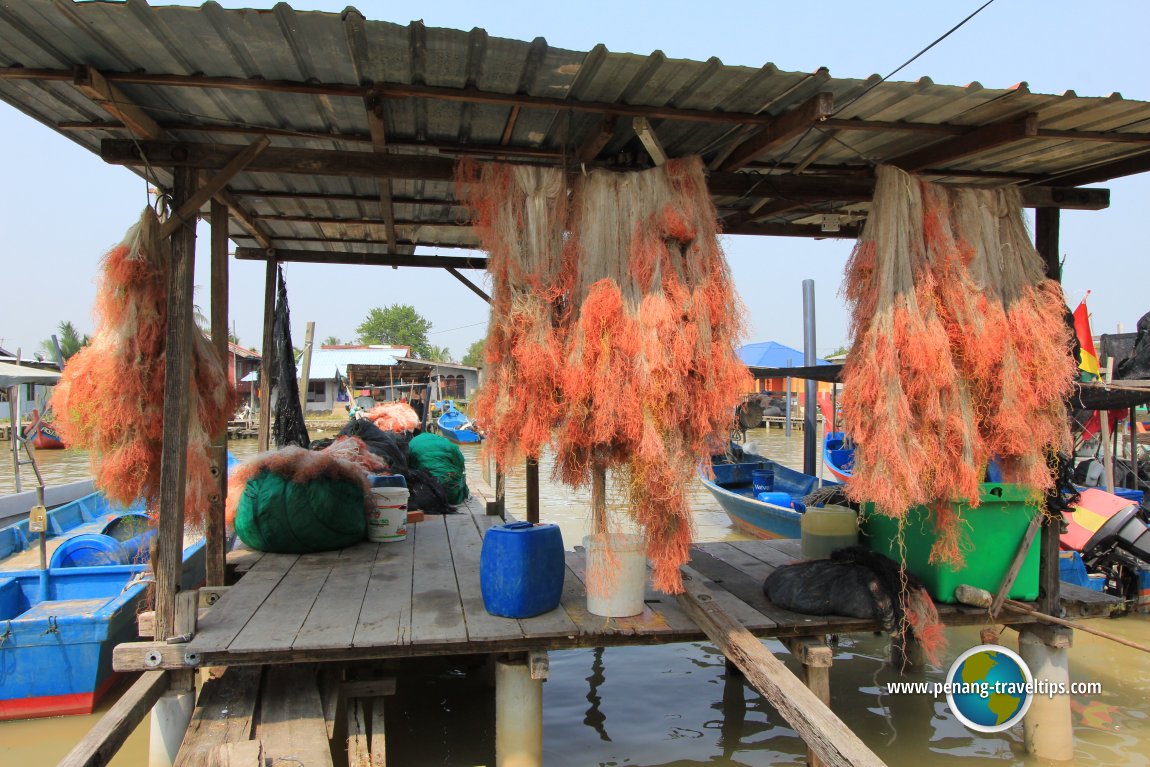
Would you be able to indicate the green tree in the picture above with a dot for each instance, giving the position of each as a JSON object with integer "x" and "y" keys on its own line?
{"x": 332, "y": 341}
{"x": 440, "y": 354}
{"x": 397, "y": 325}
{"x": 474, "y": 356}
{"x": 70, "y": 341}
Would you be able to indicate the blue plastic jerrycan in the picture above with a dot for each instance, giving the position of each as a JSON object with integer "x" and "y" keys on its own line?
{"x": 521, "y": 569}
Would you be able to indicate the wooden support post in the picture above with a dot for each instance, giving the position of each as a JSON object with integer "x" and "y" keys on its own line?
{"x": 532, "y": 490}
{"x": 470, "y": 285}
{"x": 815, "y": 655}
{"x": 1049, "y": 575}
{"x": 266, "y": 355}
{"x": 1048, "y": 727}
{"x": 823, "y": 732}
{"x": 305, "y": 367}
{"x": 173, "y": 452}
{"x": 650, "y": 141}
{"x": 500, "y": 492}
{"x": 1104, "y": 436}
{"x": 105, "y": 739}
{"x": 215, "y": 531}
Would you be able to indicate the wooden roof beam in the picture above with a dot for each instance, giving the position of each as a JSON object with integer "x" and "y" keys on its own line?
{"x": 211, "y": 186}
{"x": 649, "y": 140}
{"x": 371, "y": 259}
{"x": 978, "y": 140}
{"x": 374, "y": 105}
{"x": 470, "y": 285}
{"x": 1139, "y": 163}
{"x": 597, "y": 139}
{"x": 112, "y": 100}
{"x": 96, "y": 86}
{"x": 782, "y": 128}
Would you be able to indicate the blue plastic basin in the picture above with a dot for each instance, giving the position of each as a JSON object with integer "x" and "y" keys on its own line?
{"x": 89, "y": 550}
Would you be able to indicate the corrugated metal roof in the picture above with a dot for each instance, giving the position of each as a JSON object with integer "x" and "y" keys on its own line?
{"x": 325, "y": 362}
{"x": 347, "y": 50}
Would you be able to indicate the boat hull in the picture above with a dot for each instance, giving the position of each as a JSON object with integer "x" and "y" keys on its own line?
{"x": 56, "y": 657}
{"x": 460, "y": 436}
{"x": 752, "y": 516}
{"x": 44, "y": 437}
{"x": 837, "y": 459}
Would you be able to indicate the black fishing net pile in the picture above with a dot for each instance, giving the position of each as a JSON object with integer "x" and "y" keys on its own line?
{"x": 425, "y": 492}
{"x": 1137, "y": 365}
{"x": 289, "y": 427}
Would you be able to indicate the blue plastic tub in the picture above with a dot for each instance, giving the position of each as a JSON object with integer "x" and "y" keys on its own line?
{"x": 89, "y": 550}
{"x": 763, "y": 480}
{"x": 521, "y": 569}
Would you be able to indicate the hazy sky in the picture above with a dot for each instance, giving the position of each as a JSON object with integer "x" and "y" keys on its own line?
{"x": 61, "y": 208}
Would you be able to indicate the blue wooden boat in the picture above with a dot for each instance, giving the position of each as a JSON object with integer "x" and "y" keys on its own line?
{"x": 838, "y": 455}
{"x": 732, "y": 486}
{"x": 58, "y": 627}
{"x": 457, "y": 427}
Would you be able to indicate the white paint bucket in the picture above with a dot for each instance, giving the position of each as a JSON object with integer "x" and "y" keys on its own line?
{"x": 616, "y": 575}
{"x": 387, "y": 522}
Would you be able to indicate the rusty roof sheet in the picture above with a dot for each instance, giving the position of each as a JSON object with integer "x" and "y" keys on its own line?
{"x": 346, "y": 49}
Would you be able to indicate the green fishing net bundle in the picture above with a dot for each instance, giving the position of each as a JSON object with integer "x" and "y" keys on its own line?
{"x": 444, "y": 461}
{"x": 282, "y": 516}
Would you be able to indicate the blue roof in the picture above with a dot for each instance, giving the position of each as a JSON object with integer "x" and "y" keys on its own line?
{"x": 772, "y": 354}
{"x": 325, "y": 362}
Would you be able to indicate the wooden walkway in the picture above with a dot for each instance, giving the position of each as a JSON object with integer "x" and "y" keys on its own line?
{"x": 422, "y": 597}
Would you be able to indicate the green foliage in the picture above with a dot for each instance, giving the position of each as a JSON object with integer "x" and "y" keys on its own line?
{"x": 474, "y": 356}
{"x": 70, "y": 341}
{"x": 397, "y": 325}
{"x": 440, "y": 354}
{"x": 332, "y": 341}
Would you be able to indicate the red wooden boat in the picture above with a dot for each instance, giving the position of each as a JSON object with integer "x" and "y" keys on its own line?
{"x": 43, "y": 436}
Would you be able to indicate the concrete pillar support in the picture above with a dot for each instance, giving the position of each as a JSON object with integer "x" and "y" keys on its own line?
{"x": 170, "y": 718}
{"x": 1047, "y": 727}
{"x": 518, "y": 714}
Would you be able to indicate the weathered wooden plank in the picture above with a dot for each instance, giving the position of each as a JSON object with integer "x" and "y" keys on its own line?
{"x": 215, "y": 529}
{"x": 248, "y": 753}
{"x": 358, "y": 752}
{"x": 465, "y": 543}
{"x": 292, "y": 724}
{"x": 243, "y": 559}
{"x": 279, "y": 618}
{"x": 335, "y": 614}
{"x": 386, "y": 615}
{"x": 228, "y": 616}
{"x": 436, "y": 611}
{"x": 97, "y": 748}
{"x": 815, "y": 723}
{"x": 223, "y": 714}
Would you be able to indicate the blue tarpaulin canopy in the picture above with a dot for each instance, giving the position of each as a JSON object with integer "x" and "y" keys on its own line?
{"x": 772, "y": 354}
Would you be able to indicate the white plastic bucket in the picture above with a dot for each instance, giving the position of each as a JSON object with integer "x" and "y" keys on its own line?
{"x": 616, "y": 579}
{"x": 387, "y": 522}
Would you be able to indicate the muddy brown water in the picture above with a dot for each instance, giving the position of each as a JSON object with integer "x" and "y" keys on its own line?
{"x": 674, "y": 705}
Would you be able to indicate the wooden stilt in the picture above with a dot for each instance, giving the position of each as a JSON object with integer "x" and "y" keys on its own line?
{"x": 214, "y": 529}
{"x": 266, "y": 356}
{"x": 815, "y": 655}
{"x": 173, "y": 454}
{"x": 532, "y": 490}
{"x": 1046, "y": 227}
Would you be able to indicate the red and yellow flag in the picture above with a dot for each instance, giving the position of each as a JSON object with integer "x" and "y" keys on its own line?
{"x": 1089, "y": 357}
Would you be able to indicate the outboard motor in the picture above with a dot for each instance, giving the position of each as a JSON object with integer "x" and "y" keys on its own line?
{"x": 1125, "y": 533}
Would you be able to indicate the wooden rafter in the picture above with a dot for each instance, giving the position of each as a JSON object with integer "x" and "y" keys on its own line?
{"x": 978, "y": 140}
{"x": 650, "y": 141}
{"x": 805, "y": 188}
{"x": 597, "y": 139}
{"x": 374, "y": 104}
{"x": 93, "y": 84}
{"x": 470, "y": 285}
{"x": 372, "y": 259}
{"x": 211, "y": 186}
{"x": 112, "y": 100}
{"x": 1139, "y": 163}
{"x": 782, "y": 129}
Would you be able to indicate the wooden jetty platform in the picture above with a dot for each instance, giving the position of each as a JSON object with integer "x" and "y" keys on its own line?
{"x": 422, "y": 597}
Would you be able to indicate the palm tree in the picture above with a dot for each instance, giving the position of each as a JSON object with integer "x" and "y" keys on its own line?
{"x": 70, "y": 341}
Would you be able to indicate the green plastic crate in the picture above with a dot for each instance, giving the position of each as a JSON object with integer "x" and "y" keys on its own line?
{"x": 991, "y": 537}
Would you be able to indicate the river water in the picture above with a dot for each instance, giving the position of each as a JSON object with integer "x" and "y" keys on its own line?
{"x": 674, "y": 705}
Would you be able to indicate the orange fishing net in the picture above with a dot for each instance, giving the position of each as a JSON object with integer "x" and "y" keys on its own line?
{"x": 111, "y": 394}
{"x": 620, "y": 342}
{"x": 393, "y": 416}
{"x": 960, "y": 351}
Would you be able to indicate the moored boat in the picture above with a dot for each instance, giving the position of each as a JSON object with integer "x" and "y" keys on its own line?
{"x": 838, "y": 455}
{"x": 733, "y": 487}
{"x": 457, "y": 427}
{"x": 42, "y": 434}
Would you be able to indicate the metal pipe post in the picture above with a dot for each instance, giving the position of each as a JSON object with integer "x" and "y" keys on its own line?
{"x": 810, "y": 360}
{"x": 787, "y": 412}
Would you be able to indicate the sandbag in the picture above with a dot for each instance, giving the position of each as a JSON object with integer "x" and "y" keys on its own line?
{"x": 444, "y": 461}
{"x": 286, "y": 517}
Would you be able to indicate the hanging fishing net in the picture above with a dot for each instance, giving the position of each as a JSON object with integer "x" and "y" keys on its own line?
{"x": 959, "y": 351}
{"x": 616, "y": 340}
{"x": 289, "y": 427}
{"x": 110, "y": 399}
